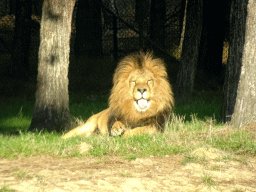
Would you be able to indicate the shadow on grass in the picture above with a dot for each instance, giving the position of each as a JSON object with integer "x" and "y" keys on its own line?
{"x": 16, "y": 113}
{"x": 203, "y": 105}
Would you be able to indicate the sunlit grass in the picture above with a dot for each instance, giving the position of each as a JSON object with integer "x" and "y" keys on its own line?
{"x": 192, "y": 125}
{"x": 179, "y": 138}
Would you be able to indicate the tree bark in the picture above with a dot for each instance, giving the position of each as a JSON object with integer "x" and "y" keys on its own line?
{"x": 245, "y": 107}
{"x": 51, "y": 111}
{"x": 190, "y": 49}
{"x": 182, "y": 14}
{"x": 88, "y": 29}
{"x": 233, "y": 69}
{"x": 20, "y": 50}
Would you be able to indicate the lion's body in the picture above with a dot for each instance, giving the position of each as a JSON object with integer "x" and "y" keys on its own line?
{"x": 140, "y": 102}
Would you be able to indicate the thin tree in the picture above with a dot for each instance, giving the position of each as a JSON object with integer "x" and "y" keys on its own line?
{"x": 236, "y": 46}
{"x": 51, "y": 111}
{"x": 88, "y": 29}
{"x": 190, "y": 49}
{"x": 22, "y": 31}
{"x": 245, "y": 107}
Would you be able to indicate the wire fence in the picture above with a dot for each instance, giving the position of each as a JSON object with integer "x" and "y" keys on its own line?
{"x": 128, "y": 30}
{"x": 123, "y": 10}
{"x": 119, "y": 15}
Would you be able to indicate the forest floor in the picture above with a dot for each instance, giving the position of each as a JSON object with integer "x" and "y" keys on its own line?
{"x": 169, "y": 173}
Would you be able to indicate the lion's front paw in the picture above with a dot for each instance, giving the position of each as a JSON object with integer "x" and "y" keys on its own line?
{"x": 118, "y": 129}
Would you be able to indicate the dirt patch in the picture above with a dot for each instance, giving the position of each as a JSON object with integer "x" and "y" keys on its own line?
{"x": 45, "y": 173}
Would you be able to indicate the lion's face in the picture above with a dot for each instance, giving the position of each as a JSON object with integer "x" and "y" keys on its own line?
{"x": 140, "y": 89}
{"x": 141, "y": 86}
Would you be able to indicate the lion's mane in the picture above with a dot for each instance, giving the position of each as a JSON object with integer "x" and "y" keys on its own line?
{"x": 121, "y": 102}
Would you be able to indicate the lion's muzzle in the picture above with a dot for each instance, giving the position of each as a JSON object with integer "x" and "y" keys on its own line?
{"x": 141, "y": 99}
{"x": 141, "y": 105}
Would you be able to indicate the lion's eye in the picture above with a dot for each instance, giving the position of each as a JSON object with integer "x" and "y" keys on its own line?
{"x": 150, "y": 81}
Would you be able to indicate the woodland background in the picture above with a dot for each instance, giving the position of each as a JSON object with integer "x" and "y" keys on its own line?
{"x": 201, "y": 42}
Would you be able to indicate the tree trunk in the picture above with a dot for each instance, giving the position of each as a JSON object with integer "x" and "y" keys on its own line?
{"x": 245, "y": 107}
{"x": 182, "y": 14}
{"x": 20, "y": 50}
{"x": 88, "y": 29}
{"x": 233, "y": 68}
{"x": 157, "y": 22}
{"x": 51, "y": 110}
{"x": 190, "y": 49}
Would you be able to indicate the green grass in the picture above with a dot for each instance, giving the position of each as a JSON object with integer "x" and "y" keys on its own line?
{"x": 208, "y": 180}
{"x": 15, "y": 114}
{"x": 203, "y": 105}
{"x": 188, "y": 158}
{"x": 193, "y": 124}
{"x": 5, "y": 188}
{"x": 21, "y": 174}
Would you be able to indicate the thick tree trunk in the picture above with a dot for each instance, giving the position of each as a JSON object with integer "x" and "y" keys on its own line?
{"x": 233, "y": 68}
{"x": 20, "y": 51}
{"x": 245, "y": 107}
{"x": 88, "y": 29}
{"x": 51, "y": 110}
{"x": 190, "y": 49}
{"x": 157, "y": 22}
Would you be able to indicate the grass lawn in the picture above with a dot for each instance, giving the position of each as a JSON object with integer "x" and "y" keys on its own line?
{"x": 192, "y": 125}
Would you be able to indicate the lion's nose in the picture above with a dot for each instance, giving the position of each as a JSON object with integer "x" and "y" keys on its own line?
{"x": 142, "y": 90}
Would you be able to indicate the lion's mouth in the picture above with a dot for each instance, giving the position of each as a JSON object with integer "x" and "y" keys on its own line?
{"x": 142, "y": 105}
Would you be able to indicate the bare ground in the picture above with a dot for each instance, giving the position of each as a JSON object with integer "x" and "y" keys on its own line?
{"x": 46, "y": 173}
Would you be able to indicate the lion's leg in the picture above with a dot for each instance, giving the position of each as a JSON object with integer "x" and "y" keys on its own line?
{"x": 94, "y": 122}
{"x": 103, "y": 122}
{"x": 140, "y": 130}
{"x": 86, "y": 129}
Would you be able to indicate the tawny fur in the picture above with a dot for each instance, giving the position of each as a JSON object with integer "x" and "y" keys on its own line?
{"x": 140, "y": 102}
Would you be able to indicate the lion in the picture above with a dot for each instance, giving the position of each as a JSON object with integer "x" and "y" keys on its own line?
{"x": 140, "y": 102}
